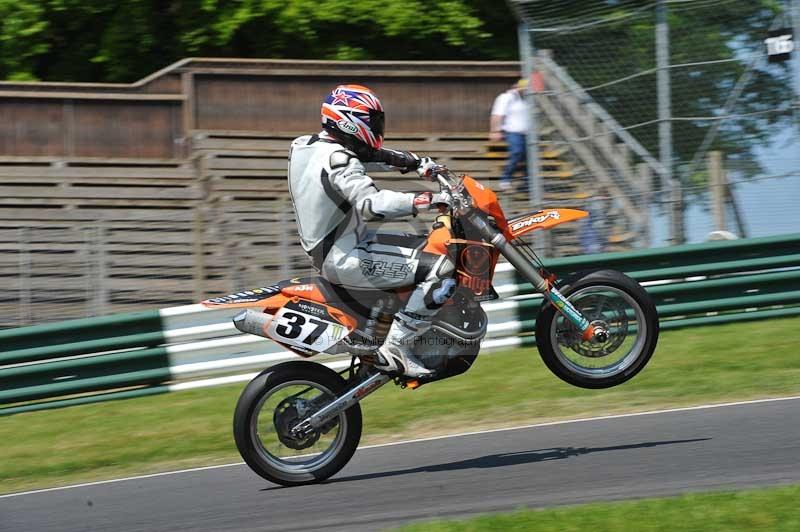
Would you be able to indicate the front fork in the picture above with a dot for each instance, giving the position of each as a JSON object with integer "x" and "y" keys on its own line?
{"x": 324, "y": 415}
{"x": 490, "y": 234}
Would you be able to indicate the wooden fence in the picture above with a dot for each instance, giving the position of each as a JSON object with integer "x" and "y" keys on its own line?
{"x": 163, "y": 192}
{"x": 155, "y": 116}
{"x": 83, "y": 237}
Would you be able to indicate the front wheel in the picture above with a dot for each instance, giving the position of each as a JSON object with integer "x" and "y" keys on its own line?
{"x": 614, "y": 301}
{"x": 273, "y": 403}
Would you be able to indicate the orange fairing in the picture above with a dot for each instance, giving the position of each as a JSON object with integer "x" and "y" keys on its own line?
{"x": 437, "y": 241}
{"x": 544, "y": 219}
{"x": 486, "y": 200}
{"x": 305, "y": 291}
{"x": 345, "y": 319}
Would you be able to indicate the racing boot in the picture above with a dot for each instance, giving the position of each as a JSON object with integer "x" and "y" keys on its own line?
{"x": 394, "y": 356}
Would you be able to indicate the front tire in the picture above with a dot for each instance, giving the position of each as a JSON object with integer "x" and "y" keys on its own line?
{"x": 618, "y": 302}
{"x": 275, "y": 400}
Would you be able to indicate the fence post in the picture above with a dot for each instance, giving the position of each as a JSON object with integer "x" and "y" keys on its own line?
{"x": 717, "y": 188}
{"x": 645, "y": 189}
{"x": 24, "y": 276}
{"x": 87, "y": 266}
{"x": 187, "y": 113}
{"x": 198, "y": 253}
{"x": 535, "y": 188}
{"x": 199, "y": 225}
{"x": 795, "y": 8}
{"x": 665, "y": 122}
{"x": 101, "y": 277}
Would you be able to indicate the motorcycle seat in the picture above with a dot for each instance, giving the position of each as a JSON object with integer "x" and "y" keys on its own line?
{"x": 325, "y": 291}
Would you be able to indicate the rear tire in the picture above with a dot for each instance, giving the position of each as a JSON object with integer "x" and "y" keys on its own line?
{"x": 578, "y": 370}
{"x": 247, "y": 425}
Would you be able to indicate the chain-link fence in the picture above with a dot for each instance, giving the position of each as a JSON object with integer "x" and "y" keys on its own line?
{"x": 702, "y": 96}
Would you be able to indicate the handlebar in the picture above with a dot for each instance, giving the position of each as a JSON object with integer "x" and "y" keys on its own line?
{"x": 446, "y": 178}
{"x": 452, "y": 184}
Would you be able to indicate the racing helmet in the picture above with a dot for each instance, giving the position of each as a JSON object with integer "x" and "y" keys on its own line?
{"x": 354, "y": 115}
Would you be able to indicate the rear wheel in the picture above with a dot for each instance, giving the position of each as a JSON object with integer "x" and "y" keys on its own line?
{"x": 611, "y": 300}
{"x": 273, "y": 403}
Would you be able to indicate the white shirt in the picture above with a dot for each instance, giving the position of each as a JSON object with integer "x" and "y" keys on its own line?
{"x": 511, "y": 105}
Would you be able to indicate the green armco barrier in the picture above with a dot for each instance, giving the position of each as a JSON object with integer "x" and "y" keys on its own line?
{"x": 677, "y": 272}
{"x": 82, "y": 330}
{"x": 712, "y": 258}
{"x": 529, "y": 326}
{"x": 128, "y": 355}
{"x": 717, "y": 268}
{"x": 728, "y": 287}
{"x": 678, "y": 262}
{"x": 79, "y": 348}
{"x": 530, "y": 309}
{"x": 732, "y": 303}
{"x": 96, "y": 398}
{"x": 106, "y": 382}
{"x": 82, "y": 368}
{"x": 683, "y": 256}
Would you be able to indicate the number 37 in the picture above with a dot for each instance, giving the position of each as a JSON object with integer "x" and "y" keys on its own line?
{"x": 295, "y": 328}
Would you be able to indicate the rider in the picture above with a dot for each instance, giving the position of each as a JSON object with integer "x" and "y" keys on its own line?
{"x": 333, "y": 196}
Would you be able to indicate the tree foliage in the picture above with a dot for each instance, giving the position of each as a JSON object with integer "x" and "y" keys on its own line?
{"x": 96, "y": 40}
{"x": 114, "y": 41}
{"x": 713, "y": 45}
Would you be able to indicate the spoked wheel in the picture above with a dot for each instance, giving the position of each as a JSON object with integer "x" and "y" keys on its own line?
{"x": 273, "y": 403}
{"x": 614, "y": 302}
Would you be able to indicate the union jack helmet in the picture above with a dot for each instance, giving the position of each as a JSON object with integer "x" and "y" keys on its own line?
{"x": 356, "y": 113}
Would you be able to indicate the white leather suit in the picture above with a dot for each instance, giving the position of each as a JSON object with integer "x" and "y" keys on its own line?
{"x": 333, "y": 197}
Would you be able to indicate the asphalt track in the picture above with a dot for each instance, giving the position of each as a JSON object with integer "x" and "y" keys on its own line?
{"x": 726, "y": 447}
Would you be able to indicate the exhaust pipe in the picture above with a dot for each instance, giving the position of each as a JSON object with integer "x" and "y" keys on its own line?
{"x": 251, "y": 322}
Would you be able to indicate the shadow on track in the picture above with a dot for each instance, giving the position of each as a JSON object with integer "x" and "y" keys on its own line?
{"x": 511, "y": 459}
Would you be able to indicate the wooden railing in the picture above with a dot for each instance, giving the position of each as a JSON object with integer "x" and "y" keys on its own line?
{"x": 155, "y": 116}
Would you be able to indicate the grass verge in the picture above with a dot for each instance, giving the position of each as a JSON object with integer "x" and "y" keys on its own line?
{"x": 185, "y": 429}
{"x": 768, "y": 509}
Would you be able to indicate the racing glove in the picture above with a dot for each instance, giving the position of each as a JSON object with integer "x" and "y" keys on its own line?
{"x": 428, "y": 201}
{"x": 427, "y": 169}
{"x": 406, "y": 161}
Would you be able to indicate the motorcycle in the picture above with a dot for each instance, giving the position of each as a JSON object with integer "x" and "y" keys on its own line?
{"x": 300, "y": 422}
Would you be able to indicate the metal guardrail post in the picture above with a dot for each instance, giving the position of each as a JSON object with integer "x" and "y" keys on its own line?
{"x": 535, "y": 187}
{"x": 663, "y": 90}
{"x": 645, "y": 191}
{"x": 795, "y": 13}
{"x": 717, "y": 188}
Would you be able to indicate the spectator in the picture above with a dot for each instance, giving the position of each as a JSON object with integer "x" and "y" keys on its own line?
{"x": 510, "y": 121}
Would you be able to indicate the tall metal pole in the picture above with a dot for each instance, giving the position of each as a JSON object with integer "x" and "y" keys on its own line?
{"x": 663, "y": 90}
{"x": 535, "y": 189}
{"x": 795, "y": 12}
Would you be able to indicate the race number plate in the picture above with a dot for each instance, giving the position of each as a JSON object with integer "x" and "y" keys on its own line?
{"x": 306, "y": 326}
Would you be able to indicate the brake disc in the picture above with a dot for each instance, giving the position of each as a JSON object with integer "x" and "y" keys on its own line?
{"x": 599, "y": 311}
{"x": 288, "y": 414}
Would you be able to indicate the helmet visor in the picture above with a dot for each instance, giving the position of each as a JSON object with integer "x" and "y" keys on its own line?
{"x": 377, "y": 123}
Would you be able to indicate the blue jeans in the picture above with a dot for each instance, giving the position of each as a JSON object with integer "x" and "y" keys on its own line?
{"x": 517, "y": 144}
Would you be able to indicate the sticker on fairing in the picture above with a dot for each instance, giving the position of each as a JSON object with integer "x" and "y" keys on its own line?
{"x": 307, "y": 326}
{"x": 246, "y": 296}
